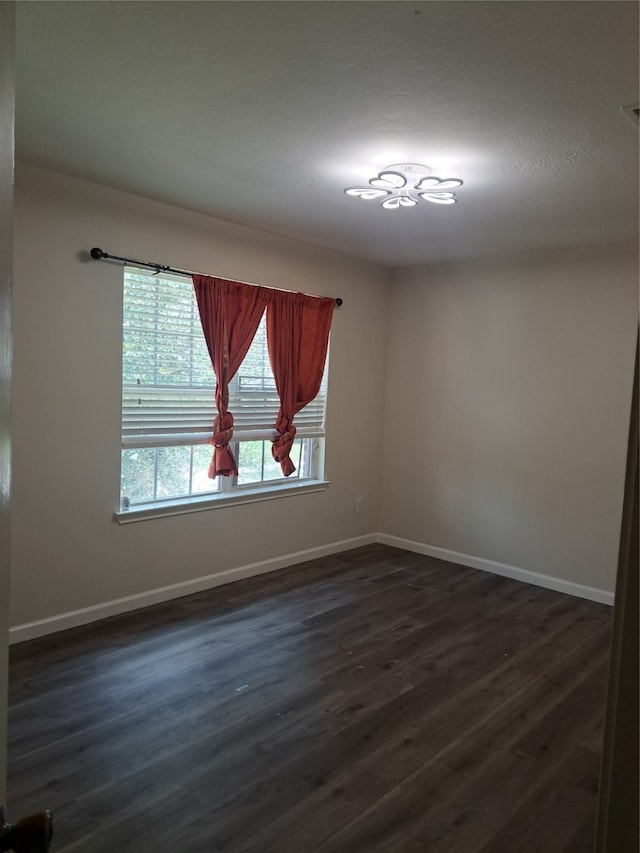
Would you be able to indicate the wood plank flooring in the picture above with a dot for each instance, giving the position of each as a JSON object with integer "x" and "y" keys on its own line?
{"x": 376, "y": 701}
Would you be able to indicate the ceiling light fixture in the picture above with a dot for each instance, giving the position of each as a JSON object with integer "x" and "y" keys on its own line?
{"x": 405, "y": 185}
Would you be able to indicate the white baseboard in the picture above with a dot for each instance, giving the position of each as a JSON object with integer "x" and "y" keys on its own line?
{"x": 85, "y": 615}
{"x": 602, "y": 596}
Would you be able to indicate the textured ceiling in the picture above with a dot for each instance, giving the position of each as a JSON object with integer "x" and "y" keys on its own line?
{"x": 262, "y": 112}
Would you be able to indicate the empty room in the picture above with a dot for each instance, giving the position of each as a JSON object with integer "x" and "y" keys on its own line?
{"x": 317, "y": 411}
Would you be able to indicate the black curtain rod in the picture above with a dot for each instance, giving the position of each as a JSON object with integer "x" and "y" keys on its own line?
{"x": 99, "y": 255}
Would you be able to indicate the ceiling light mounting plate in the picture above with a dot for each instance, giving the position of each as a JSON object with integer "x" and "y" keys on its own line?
{"x": 411, "y": 171}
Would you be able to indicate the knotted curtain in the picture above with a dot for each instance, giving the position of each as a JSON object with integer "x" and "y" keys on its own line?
{"x": 297, "y": 337}
{"x": 230, "y": 312}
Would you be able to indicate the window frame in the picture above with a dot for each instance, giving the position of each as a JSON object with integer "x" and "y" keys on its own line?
{"x": 229, "y": 491}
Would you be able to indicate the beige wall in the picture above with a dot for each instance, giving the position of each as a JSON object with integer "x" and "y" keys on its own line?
{"x": 67, "y": 552}
{"x": 7, "y": 28}
{"x": 507, "y": 409}
{"x": 501, "y": 434}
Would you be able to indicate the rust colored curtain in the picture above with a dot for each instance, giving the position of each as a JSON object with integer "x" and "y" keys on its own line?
{"x": 230, "y": 313}
{"x": 297, "y": 336}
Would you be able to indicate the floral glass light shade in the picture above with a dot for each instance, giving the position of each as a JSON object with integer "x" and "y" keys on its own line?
{"x": 405, "y": 185}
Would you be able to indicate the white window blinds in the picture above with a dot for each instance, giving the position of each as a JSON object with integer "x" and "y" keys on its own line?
{"x": 168, "y": 384}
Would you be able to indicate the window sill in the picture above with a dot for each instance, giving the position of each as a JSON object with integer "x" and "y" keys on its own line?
{"x": 143, "y": 512}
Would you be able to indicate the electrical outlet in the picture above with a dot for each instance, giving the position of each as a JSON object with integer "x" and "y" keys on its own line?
{"x": 359, "y": 504}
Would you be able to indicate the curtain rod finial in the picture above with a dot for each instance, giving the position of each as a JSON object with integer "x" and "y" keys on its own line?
{"x": 338, "y": 300}
{"x": 96, "y": 254}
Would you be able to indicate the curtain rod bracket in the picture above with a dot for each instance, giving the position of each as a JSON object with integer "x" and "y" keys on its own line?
{"x": 99, "y": 255}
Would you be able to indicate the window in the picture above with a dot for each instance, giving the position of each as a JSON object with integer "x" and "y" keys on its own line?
{"x": 168, "y": 405}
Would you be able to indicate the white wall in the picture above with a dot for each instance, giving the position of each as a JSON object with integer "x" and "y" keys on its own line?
{"x": 507, "y": 409}
{"x": 67, "y": 552}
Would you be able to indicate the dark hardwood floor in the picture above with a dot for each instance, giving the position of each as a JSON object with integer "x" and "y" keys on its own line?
{"x": 376, "y": 700}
